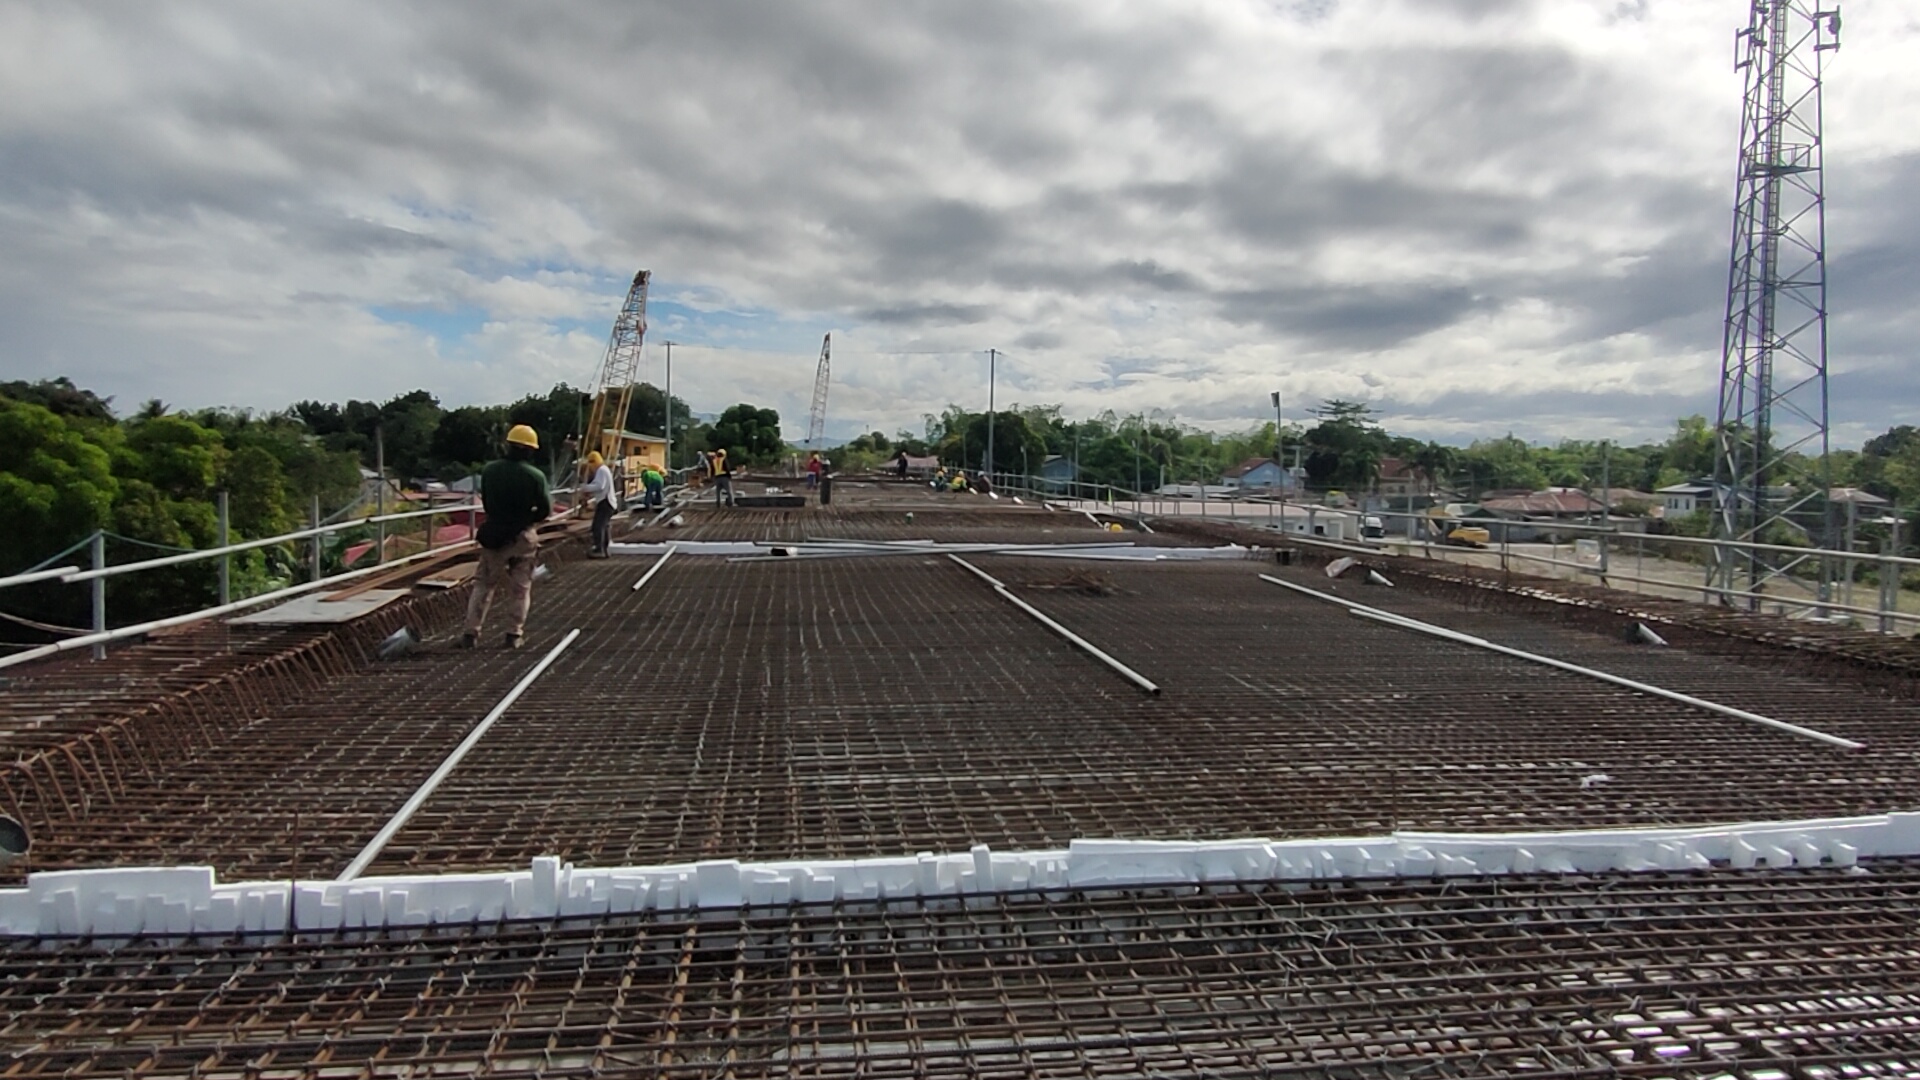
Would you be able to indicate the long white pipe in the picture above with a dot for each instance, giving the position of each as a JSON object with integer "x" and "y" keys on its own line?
{"x": 1083, "y": 644}
{"x": 37, "y": 575}
{"x": 209, "y": 553}
{"x": 1404, "y": 623}
{"x": 212, "y": 612}
{"x": 399, "y": 820}
{"x": 655, "y": 568}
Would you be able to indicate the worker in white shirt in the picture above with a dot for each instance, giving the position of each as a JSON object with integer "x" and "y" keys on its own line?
{"x": 598, "y": 492}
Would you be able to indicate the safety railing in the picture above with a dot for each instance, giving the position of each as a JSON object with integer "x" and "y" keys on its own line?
{"x": 96, "y": 575}
{"x": 1819, "y": 583}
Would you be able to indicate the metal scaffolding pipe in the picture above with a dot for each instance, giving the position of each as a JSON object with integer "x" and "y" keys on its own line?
{"x": 207, "y": 613}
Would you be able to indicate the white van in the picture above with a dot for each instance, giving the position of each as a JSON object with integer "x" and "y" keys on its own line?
{"x": 1372, "y": 528}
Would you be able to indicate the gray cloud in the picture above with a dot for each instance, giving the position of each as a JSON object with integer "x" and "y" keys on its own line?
{"x": 210, "y": 203}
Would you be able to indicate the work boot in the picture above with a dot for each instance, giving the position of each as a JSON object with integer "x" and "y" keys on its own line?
{"x": 511, "y": 641}
{"x": 469, "y": 639}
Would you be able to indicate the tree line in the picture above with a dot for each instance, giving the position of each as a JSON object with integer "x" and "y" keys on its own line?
{"x": 71, "y": 466}
{"x": 1342, "y": 447}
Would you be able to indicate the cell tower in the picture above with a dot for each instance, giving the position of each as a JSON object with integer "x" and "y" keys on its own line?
{"x": 817, "y": 416}
{"x": 1771, "y": 474}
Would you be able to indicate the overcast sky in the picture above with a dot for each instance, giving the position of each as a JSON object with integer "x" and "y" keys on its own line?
{"x": 1478, "y": 215}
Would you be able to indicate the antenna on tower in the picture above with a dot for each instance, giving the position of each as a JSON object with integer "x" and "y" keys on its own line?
{"x": 817, "y": 416}
{"x": 1771, "y": 474}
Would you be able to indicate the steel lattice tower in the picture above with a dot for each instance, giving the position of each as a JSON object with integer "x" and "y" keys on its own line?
{"x": 1771, "y": 473}
{"x": 817, "y": 416}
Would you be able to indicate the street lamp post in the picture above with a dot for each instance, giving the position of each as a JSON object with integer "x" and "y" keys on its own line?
{"x": 1279, "y": 455}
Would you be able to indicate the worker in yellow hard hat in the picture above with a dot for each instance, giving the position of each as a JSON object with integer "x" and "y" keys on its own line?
{"x": 959, "y": 481}
{"x": 598, "y": 492}
{"x": 514, "y": 496}
{"x": 722, "y": 478}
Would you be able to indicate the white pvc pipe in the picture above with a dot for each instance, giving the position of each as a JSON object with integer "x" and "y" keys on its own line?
{"x": 1083, "y": 644}
{"x": 1404, "y": 623}
{"x": 208, "y": 613}
{"x": 37, "y": 575}
{"x": 655, "y": 568}
{"x": 399, "y": 820}
{"x": 304, "y": 534}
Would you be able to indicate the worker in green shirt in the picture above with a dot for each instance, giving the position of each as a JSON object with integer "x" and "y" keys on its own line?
{"x": 514, "y": 495}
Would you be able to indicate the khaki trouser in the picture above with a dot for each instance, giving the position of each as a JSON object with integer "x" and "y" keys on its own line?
{"x": 510, "y": 569}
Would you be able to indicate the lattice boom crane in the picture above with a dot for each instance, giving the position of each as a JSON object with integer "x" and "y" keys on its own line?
{"x": 817, "y": 416}
{"x": 613, "y": 388}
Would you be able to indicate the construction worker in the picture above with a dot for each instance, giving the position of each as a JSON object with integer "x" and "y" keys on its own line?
{"x": 814, "y": 468}
{"x": 514, "y": 495}
{"x": 959, "y": 481}
{"x": 655, "y": 483}
{"x": 722, "y": 478}
{"x": 598, "y": 493}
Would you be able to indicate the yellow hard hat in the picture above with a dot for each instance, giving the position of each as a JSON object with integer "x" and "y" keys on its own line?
{"x": 594, "y": 459}
{"x": 522, "y": 435}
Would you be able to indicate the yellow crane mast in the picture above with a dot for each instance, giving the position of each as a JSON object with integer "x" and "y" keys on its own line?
{"x": 613, "y": 388}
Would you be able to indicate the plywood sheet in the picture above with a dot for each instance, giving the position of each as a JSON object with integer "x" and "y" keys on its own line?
{"x": 316, "y": 608}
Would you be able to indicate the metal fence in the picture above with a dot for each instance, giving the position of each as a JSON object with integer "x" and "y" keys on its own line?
{"x": 1864, "y": 588}
{"x": 96, "y": 574}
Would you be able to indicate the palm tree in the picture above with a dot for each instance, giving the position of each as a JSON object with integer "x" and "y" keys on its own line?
{"x": 1435, "y": 461}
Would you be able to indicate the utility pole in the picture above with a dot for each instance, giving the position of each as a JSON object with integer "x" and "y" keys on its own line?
{"x": 993, "y": 361}
{"x": 669, "y": 393}
{"x": 380, "y": 493}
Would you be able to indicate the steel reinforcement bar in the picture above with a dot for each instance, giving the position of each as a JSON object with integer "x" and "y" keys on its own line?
{"x": 1721, "y": 974}
{"x": 190, "y": 692}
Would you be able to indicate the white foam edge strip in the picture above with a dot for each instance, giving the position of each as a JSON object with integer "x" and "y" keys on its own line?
{"x": 111, "y": 905}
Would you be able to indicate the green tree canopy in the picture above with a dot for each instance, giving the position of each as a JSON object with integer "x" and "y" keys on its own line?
{"x": 749, "y": 432}
{"x": 57, "y": 485}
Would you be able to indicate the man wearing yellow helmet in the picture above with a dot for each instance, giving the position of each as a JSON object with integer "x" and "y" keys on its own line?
{"x": 514, "y": 495}
{"x": 598, "y": 493}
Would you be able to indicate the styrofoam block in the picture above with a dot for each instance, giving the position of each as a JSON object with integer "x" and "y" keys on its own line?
{"x": 1417, "y": 861}
{"x": 717, "y": 883}
{"x": 1899, "y": 836}
{"x": 544, "y": 901}
{"x": 817, "y": 888}
{"x": 220, "y": 916}
{"x": 983, "y": 865}
{"x": 1842, "y": 853}
{"x": 1553, "y": 861}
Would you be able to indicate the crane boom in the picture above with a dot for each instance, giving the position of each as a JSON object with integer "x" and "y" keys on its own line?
{"x": 613, "y": 388}
{"x": 817, "y": 417}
